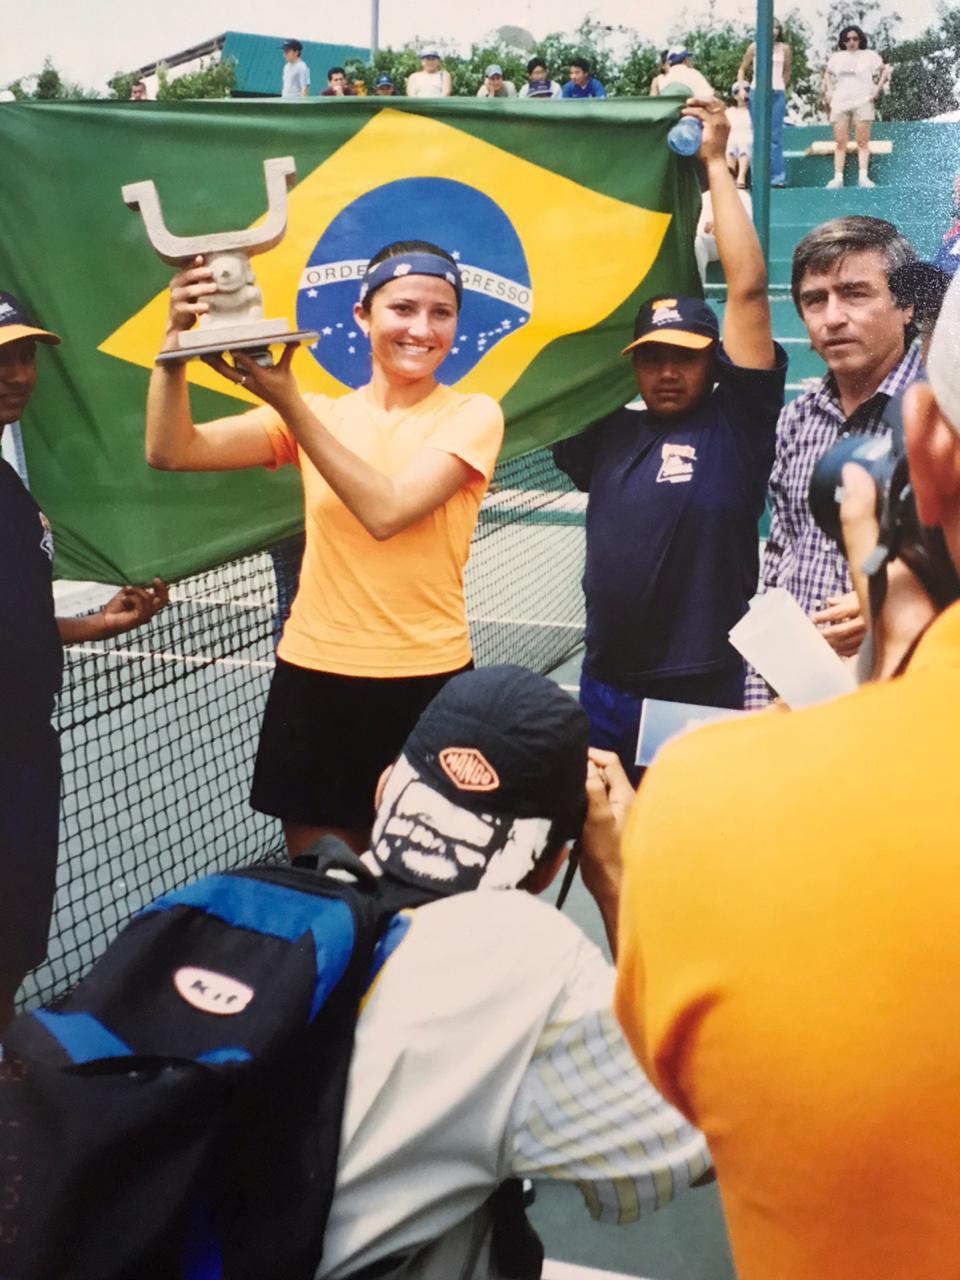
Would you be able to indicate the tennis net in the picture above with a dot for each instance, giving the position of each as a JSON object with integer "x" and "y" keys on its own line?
{"x": 158, "y": 728}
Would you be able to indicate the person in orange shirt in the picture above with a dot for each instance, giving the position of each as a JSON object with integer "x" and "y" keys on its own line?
{"x": 788, "y": 933}
{"x": 393, "y": 475}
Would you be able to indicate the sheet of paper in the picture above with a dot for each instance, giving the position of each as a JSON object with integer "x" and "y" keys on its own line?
{"x": 778, "y": 639}
{"x": 661, "y": 720}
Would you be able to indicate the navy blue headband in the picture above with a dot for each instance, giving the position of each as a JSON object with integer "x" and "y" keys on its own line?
{"x": 412, "y": 264}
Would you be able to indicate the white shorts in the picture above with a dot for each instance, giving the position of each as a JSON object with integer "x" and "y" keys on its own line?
{"x": 856, "y": 115}
{"x": 737, "y": 147}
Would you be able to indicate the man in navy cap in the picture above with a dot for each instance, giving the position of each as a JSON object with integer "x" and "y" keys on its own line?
{"x": 486, "y": 1050}
{"x": 677, "y": 489}
{"x": 296, "y": 73}
{"x": 384, "y": 87}
{"x": 31, "y": 660}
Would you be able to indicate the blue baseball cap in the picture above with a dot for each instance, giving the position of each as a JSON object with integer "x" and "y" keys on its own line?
{"x": 675, "y": 321}
{"x": 16, "y": 323}
{"x": 382, "y": 82}
{"x": 677, "y": 55}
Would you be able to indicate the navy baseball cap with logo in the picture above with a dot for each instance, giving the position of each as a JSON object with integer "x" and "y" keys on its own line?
{"x": 678, "y": 322}
{"x": 292, "y": 44}
{"x": 505, "y": 740}
{"x": 383, "y": 82}
{"x": 16, "y": 324}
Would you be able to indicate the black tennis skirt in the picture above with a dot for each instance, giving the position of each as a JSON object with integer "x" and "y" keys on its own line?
{"x": 325, "y": 740}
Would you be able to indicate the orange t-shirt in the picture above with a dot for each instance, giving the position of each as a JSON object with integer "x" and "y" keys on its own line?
{"x": 789, "y": 970}
{"x": 392, "y": 608}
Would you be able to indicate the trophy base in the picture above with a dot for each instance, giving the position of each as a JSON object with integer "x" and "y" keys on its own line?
{"x": 253, "y": 346}
{"x": 231, "y": 331}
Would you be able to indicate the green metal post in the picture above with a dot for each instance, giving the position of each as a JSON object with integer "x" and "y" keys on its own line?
{"x": 762, "y": 96}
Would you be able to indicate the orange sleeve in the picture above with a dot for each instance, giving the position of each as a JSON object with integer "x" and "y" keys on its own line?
{"x": 473, "y": 432}
{"x": 282, "y": 440}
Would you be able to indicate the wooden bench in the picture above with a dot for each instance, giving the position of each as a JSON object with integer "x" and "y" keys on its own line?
{"x": 826, "y": 147}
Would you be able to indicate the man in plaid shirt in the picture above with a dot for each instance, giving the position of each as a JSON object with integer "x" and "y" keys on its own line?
{"x": 865, "y": 336}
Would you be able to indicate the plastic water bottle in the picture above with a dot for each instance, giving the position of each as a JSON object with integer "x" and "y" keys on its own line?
{"x": 685, "y": 137}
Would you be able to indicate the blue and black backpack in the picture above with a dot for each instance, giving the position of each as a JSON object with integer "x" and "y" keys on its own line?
{"x": 178, "y": 1114}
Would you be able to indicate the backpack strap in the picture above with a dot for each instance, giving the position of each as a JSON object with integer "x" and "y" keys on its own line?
{"x": 330, "y": 853}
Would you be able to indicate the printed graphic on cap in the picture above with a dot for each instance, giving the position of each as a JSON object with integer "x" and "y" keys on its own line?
{"x": 468, "y": 769}
{"x": 212, "y": 992}
{"x": 664, "y": 311}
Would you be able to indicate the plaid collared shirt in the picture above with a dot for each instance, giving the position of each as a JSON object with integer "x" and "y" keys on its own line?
{"x": 797, "y": 555}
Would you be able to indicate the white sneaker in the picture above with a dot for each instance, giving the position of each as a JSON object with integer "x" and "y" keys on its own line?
{"x": 865, "y": 181}
{"x": 835, "y": 181}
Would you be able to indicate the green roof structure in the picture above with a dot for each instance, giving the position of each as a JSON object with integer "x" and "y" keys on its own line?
{"x": 260, "y": 61}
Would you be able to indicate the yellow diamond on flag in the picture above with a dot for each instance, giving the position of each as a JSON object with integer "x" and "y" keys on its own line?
{"x": 585, "y": 252}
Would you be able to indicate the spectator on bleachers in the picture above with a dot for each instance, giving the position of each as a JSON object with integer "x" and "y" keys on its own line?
{"x": 864, "y": 335}
{"x": 337, "y": 86}
{"x": 487, "y": 1050}
{"x": 705, "y": 238}
{"x": 537, "y": 77}
{"x": 682, "y": 74}
{"x": 853, "y": 79}
{"x": 781, "y": 72}
{"x": 788, "y": 940}
{"x": 947, "y": 257}
{"x": 657, "y": 81}
{"x": 581, "y": 83}
{"x": 494, "y": 85}
{"x": 384, "y": 87}
{"x": 138, "y": 91}
{"x": 740, "y": 142}
{"x": 432, "y": 80}
{"x": 676, "y": 490}
{"x": 296, "y": 73}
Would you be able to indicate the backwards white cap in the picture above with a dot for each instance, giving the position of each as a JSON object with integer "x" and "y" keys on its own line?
{"x": 943, "y": 365}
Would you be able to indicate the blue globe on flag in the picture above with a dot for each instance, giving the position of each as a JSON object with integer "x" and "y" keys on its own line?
{"x": 497, "y": 297}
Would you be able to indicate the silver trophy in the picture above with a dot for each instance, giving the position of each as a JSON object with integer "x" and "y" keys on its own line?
{"x": 235, "y": 321}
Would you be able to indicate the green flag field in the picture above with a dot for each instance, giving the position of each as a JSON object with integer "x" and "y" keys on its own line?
{"x": 563, "y": 217}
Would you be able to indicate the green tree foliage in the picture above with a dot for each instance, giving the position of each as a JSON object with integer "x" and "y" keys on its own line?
{"x": 926, "y": 71}
{"x": 48, "y": 85}
{"x": 213, "y": 80}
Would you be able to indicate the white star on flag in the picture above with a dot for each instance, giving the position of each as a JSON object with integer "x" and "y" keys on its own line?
{"x": 326, "y": 331}
{"x": 311, "y": 293}
{"x": 455, "y": 255}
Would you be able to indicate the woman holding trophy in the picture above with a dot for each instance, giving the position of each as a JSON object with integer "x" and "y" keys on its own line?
{"x": 393, "y": 476}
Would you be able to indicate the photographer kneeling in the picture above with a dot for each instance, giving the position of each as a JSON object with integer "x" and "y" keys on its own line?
{"x": 788, "y": 951}
{"x": 486, "y": 1049}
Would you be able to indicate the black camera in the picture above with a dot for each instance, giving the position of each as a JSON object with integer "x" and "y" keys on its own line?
{"x": 902, "y": 536}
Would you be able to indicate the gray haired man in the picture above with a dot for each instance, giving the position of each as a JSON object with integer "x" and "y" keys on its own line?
{"x": 864, "y": 335}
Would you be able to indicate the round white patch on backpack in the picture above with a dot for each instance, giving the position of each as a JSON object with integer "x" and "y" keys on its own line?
{"x": 212, "y": 992}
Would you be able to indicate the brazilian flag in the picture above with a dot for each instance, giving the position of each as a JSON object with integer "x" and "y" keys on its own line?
{"x": 563, "y": 216}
